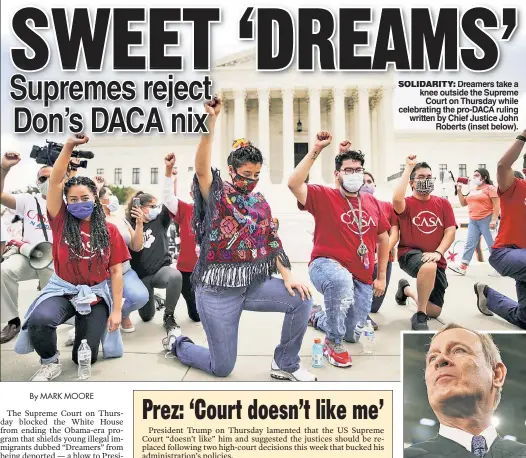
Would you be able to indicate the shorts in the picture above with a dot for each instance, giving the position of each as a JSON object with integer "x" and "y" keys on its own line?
{"x": 411, "y": 262}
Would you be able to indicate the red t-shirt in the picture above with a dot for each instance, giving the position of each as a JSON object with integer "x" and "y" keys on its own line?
{"x": 389, "y": 213}
{"x": 512, "y": 229}
{"x": 423, "y": 223}
{"x": 79, "y": 273}
{"x": 187, "y": 256}
{"x": 336, "y": 233}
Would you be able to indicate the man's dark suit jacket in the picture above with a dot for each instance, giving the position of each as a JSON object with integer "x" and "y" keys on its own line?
{"x": 439, "y": 447}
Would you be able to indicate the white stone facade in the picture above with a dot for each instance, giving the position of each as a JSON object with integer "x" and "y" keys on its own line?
{"x": 266, "y": 107}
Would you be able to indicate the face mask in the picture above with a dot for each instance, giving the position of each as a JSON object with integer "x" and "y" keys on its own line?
{"x": 352, "y": 183}
{"x": 476, "y": 181}
{"x": 425, "y": 186}
{"x": 369, "y": 188}
{"x": 243, "y": 184}
{"x": 43, "y": 187}
{"x": 153, "y": 213}
{"x": 113, "y": 205}
{"x": 81, "y": 210}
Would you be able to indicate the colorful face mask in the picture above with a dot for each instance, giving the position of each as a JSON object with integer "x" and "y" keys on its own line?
{"x": 243, "y": 184}
{"x": 352, "y": 183}
{"x": 81, "y": 210}
{"x": 425, "y": 186}
{"x": 369, "y": 188}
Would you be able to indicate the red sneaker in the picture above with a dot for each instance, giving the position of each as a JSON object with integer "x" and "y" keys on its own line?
{"x": 336, "y": 354}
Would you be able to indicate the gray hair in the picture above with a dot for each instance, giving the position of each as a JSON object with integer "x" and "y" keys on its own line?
{"x": 491, "y": 351}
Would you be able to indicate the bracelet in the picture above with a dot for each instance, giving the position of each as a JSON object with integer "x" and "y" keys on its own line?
{"x": 436, "y": 251}
{"x": 4, "y": 168}
{"x": 522, "y": 138}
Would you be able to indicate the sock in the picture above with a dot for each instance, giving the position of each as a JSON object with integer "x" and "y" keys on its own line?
{"x": 15, "y": 321}
{"x": 486, "y": 290}
{"x": 408, "y": 288}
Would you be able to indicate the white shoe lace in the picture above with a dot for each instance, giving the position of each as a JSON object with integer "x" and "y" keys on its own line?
{"x": 47, "y": 370}
{"x": 169, "y": 354}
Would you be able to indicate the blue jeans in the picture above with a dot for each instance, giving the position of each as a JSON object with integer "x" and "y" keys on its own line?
{"x": 134, "y": 292}
{"x": 347, "y": 300}
{"x": 476, "y": 228}
{"x": 510, "y": 262}
{"x": 220, "y": 310}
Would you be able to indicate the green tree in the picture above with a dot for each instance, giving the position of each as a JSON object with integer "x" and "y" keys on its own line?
{"x": 123, "y": 193}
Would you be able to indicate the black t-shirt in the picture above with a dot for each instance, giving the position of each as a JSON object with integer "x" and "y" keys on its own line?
{"x": 155, "y": 253}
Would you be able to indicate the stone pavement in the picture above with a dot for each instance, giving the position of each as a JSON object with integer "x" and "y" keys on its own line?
{"x": 144, "y": 358}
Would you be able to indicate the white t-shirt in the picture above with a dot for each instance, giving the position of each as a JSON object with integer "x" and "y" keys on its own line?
{"x": 26, "y": 208}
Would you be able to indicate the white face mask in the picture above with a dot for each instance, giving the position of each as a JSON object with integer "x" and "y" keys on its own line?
{"x": 153, "y": 213}
{"x": 352, "y": 183}
{"x": 476, "y": 181}
{"x": 113, "y": 204}
{"x": 43, "y": 187}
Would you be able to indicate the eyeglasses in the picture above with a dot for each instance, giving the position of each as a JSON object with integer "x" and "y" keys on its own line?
{"x": 349, "y": 171}
{"x": 425, "y": 178}
{"x": 42, "y": 179}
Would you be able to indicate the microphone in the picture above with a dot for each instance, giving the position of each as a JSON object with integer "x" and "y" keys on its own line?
{"x": 83, "y": 154}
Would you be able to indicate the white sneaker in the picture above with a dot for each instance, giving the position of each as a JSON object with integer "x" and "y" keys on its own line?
{"x": 70, "y": 339}
{"x": 169, "y": 340}
{"x": 47, "y": 372}
{"x": 301, "y": 375}
{"x": 494, "y": 273}
{"x": 460, "y": 269}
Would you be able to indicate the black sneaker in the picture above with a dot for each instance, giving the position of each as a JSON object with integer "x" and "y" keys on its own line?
{"x": 375, "y": 326}
{"x": 482, "y": 300}
{"x": 400, "y": 297}
{"x": 170, "y": 324}
{"x": 160, "y": 303}
{"x": 419, "y": 322}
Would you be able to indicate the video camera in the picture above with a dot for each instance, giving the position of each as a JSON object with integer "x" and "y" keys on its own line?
{"x": 47, "y": 155}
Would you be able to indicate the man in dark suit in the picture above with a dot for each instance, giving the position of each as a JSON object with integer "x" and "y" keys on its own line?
{"x": 464, "y": 377}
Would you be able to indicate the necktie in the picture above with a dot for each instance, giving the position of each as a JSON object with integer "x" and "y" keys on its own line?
{"x": 478, "y": 446}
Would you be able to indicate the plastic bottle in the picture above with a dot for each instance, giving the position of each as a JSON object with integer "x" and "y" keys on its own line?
{"x": 368, "y": 338}
{"x": 317, "y": 353}
{"x": 84, "y": 360}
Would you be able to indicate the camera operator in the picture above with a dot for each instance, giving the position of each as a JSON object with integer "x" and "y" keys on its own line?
{"x": 16, "y": 267}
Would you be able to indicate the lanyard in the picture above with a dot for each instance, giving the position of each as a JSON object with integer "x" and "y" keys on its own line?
{"x": 362, "y": 249}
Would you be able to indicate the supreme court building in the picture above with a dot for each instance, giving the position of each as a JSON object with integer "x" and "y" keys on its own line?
{"x": 281, "y": 112}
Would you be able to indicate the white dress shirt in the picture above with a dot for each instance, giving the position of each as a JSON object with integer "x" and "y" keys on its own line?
{"x": 463, "y": 438}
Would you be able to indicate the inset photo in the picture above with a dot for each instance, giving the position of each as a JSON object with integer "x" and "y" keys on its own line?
{"x": 464, "y": 393}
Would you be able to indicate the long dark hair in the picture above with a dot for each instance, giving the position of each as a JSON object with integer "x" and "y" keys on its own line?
{"x": 99, "y": 236}
{"x": 144, "y": 199}
{"x": 485, "y": 175}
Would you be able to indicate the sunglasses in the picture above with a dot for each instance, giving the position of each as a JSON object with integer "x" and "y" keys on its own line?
{"x": 42, "y": 179}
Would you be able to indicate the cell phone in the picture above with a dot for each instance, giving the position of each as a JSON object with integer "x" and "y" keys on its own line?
{"x": 136, "y": 202}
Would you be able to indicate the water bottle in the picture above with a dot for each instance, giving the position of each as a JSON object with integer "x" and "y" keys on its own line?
{"x": 317, "y": 353}
{"x": 368, "y": 338}
{"x": 84, "y": 360}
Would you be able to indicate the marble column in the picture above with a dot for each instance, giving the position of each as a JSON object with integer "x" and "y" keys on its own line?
{"x": 388, "y": 163}
{"x": 315, "y": 175}
{"x": 288, "y": 133}
{"x": 338, "y": 111}
{"x": 264, "y": 132}
{"x": 240, "y": 113}
{"x": 364, "y": 124}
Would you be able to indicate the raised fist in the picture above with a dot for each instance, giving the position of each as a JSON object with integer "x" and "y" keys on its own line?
{"x": 169, "y": 160}
{"x": 344, "y": 146}
{"x": 213, "y": 107}
{"x": 411, "y": 160}
{"x": 78, "y": 139}
{"x": 10, "y": 159}
{"x": 323, "y": 139}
